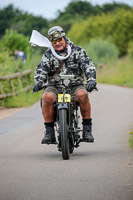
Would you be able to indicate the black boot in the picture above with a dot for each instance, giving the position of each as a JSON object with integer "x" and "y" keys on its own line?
{"x": 49, "y": 137}
{"x": 87, "y": 130}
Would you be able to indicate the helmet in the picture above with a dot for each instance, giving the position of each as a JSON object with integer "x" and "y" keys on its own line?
{"x": 55, "y": 32}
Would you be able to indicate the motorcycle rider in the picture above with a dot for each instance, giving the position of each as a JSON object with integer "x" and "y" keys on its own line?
{"x": 77, "y": 62}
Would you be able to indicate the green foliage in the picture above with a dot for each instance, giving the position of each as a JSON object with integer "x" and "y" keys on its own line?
{"x": 130, "y": 49}
{"x": 22, "y": 100}
{"x": 117, "y": 26}
{"x": 101, "y": 51}
{"x": 131, "y": 140}
{"x": 22, "y": 22}
{"x": 12, "y": 41}
{"x": 119, "y": 72}
{"x": 78, "y": 10}
{"x": 82, "y": 8}
{"x": 66, "y": 21}
{"x": 123, "y": 30}
{"x": 25, "y": 23}
{"x": 7, "y": 16}
{"x": 10, "y": 66}
{"x": 110, "y": 7}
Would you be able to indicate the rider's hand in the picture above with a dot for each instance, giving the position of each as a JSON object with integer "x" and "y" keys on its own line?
{"x": 91, "y": 85}
{"x": 38, "y": 86}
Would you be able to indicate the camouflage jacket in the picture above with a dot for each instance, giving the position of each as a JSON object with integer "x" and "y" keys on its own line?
{"x": 78, "y": 63}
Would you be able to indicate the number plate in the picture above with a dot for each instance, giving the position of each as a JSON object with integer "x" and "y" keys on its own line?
{"x": 67, "y": 98}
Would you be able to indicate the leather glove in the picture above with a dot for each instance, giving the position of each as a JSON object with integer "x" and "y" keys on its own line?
{"x": 38, "y": 86}
{"x": 91, "y": 85}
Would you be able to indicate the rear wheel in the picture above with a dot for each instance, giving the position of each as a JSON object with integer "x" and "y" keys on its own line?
{"x": 64, "y": 134}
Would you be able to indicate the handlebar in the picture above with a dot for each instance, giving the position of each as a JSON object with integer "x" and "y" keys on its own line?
{"x": 56, "y": 81}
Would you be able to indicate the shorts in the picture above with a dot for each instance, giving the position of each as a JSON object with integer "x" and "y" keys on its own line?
{"x": 73, "y": 91}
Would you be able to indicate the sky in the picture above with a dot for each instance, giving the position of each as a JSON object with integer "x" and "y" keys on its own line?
{"x": 49, "y": 8}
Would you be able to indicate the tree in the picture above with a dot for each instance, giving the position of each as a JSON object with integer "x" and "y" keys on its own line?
{"x": 7, "y": 16}
{"x": 111, "y": 7}
{"x": 25, "y": 23}
{"x": 82, "y": 8}
{"x": 79, "y": 10}
{"x": 12, "y": 41}
{"x": 22, "y": 22}
{"x": 117, "y": 26}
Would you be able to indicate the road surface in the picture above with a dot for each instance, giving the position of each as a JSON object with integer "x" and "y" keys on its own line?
{"x": 99, "y": 171}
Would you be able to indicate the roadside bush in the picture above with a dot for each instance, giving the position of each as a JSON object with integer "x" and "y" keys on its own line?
{"x": 13, "y": 40}
{"x": 117, "y": 26}
{"x": 119, "y": 72}
{"x": 130, "y": 49}
{"x": 10, "y": 66}
{"x": 101, "y": 51}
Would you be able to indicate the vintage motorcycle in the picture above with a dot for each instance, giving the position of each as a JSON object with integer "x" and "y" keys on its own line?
{"x": 66, "y": 114}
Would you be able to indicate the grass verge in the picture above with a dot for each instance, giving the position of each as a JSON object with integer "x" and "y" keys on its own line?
{"x": 10, "y": 66}
{"x": 118, "y": 72}
{"x": 131, "y": 139}
{"x": 24, "y": 99}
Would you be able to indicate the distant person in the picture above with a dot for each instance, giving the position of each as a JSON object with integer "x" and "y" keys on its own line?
{"x": 20, "y": 54}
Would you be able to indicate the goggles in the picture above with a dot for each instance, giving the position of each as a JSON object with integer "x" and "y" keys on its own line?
{"x": 58, "y": 40}
{"x": 55, "y": 35}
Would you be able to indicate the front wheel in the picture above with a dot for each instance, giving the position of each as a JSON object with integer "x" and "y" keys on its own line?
{"x": 64, "y": 134}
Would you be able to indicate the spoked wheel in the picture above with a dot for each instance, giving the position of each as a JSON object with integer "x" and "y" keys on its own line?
{"x": 64, "y": 134}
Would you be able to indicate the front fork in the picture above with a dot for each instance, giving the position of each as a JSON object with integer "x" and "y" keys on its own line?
{"x": 59, "y": 107}
{"x": 72, "y": 121}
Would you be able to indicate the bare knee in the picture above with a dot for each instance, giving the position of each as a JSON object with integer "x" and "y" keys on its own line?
{"x": 48, "y": 97}
{"x": 81, "y": 96}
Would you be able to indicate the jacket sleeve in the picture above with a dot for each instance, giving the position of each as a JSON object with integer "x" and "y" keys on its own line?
{"x": 41, "y": 72}
{"x": 87, "y": 65}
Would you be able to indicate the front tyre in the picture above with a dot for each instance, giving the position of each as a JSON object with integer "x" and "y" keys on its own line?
{"x": 64, "y": 134}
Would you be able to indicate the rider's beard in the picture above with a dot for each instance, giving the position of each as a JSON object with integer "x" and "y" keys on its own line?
{"x": 64, "y": 51}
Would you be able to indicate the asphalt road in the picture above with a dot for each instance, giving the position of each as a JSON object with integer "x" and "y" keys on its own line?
{"x": 99, "y": 171}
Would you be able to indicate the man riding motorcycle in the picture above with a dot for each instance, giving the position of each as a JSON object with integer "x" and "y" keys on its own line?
{"x": 76, "y": 62}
